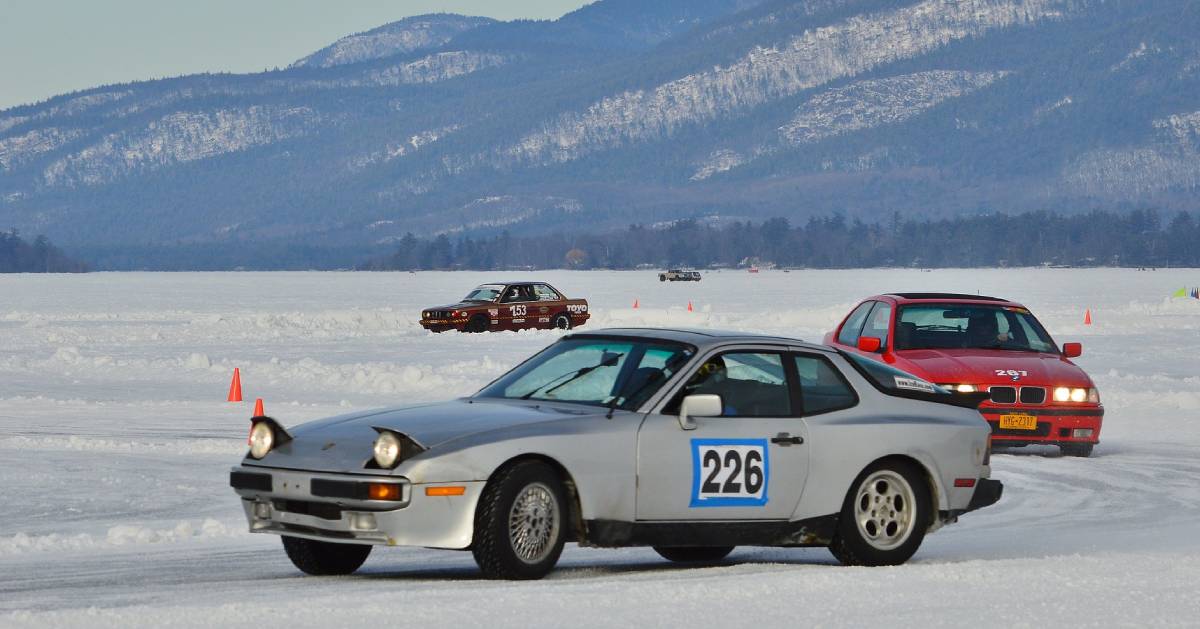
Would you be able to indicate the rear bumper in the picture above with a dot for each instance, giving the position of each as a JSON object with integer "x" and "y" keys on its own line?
{"x": 298, "y": 504}
{"x": 1054, "y": 425}
{"x": 987, "y": 493}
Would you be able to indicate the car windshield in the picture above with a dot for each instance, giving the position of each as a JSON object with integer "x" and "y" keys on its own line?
{"x": 487, "y": 292}
{"x": 622, "y": 373}
{"x": 959, "y": 326}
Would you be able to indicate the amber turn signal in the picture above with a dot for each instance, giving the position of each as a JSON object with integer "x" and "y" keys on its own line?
{"x": 453, "y": 490}
{"x": 383, "y": 491}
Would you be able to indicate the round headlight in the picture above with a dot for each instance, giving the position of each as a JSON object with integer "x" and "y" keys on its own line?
{"x": 1062, "y": 394}
{"x": 965, "y": 388}
{"x": 1078, "y": 395}
{"x": 262, "y": 438}
{"x": 387, "y": 450}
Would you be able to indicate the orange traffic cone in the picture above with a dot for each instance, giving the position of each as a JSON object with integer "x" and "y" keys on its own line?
{"x": 635, "y": 302}
{"x": 235, "y": 387}
{"x": 258, "y": 408}
{"x": 689, "y": 306}
{"x": 1087, "y": 317}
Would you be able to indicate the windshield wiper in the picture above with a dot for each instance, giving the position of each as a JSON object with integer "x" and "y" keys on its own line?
{"x": 660, "y": 376}
{"x": 607, "y": 361}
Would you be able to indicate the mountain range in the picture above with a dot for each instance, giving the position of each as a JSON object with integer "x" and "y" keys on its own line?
{"x": 623, "y": 112}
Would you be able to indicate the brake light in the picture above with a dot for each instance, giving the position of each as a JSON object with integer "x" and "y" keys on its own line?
{"x": 964, "y": 482}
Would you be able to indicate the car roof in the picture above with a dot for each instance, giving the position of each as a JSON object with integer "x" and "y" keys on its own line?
{"x": 702, "y": 337}
{"x": 943, "y": 297}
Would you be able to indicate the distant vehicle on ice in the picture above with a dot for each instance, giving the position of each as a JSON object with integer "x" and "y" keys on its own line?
{"x": 676, "y": 275}
{"x": 970, "y": 343}
{"x": 508, "y": 306}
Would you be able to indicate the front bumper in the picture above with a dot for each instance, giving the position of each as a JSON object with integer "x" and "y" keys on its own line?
{"x": 443, "y": 325}
{"x": 283, "y": 502}
{"x": 1054, "y": 425}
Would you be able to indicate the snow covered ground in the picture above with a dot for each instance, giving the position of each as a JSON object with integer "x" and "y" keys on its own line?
{"x": 115, "y": 444}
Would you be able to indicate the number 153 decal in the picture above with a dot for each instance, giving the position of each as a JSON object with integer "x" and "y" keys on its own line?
{"x": 730, "y": 472}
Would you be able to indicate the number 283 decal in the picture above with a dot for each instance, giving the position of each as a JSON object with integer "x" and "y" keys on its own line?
{"x": 729, "y": 472}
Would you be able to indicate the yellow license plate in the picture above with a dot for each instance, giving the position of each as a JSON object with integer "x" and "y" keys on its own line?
{"x": 1018, "y": 422}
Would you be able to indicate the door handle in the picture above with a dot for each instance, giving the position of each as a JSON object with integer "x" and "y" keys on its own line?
{"x": 786, "y": 439}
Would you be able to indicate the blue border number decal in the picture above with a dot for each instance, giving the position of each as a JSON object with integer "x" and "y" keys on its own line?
{"x": 730, "y": 472}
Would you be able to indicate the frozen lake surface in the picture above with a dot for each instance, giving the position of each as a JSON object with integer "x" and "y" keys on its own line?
{"x": 115, "y": 445}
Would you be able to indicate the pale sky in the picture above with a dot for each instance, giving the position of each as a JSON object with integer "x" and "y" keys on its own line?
{"x": 49, "y": 47}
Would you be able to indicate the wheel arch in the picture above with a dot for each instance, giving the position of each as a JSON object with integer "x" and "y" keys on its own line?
{"x": 574, "y": 505}
{"x": 927, "y": 475}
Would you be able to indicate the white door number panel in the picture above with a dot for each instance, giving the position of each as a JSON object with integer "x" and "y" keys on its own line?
{"x": 730, "y": 472}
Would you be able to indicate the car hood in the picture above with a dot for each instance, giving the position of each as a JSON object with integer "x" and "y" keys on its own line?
{"x": 980, "y": 366}
{"x": 462, "y": 305}
{"x": 344, "y": 443}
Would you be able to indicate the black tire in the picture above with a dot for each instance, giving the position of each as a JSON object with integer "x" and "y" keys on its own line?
{"x": 477, "y": 324}
{"x": 325, "y": 558}
{"x": 1083, "y": 450}
{"x": 662, "y": 278}
{"x": 694, "y": 554}
{"x": 853, "y": 543}
{"x": 533, "y": 485}
{"x": 561, "y": 322}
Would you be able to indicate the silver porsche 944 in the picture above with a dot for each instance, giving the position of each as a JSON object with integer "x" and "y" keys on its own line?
{"x": 691, "y": 442}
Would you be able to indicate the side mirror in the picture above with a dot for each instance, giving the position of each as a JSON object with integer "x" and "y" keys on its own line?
{"x": 869, "y": 343}
{"x": 700, "y": 405}
{"x": 1072, "y": 350}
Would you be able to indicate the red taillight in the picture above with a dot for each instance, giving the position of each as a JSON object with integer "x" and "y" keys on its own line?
{"x": 964, "y": 482}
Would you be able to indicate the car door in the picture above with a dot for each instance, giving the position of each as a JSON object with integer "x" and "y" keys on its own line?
{"x": 514, "y": 307}
{"x": 549, "y": 302}
{"x": 748, "y": 464}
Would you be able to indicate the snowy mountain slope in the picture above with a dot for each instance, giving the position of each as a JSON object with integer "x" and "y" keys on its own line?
{"x": 422, "y": 32}
{"x": 637, "y": 112}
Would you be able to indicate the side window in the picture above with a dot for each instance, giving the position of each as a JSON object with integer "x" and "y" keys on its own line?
{"x": 750, "y": 384}
{"x": 822, "y": 387}
{"x": 854, "y": 324}
{"x": 544, "y": 293}
{"x": 878, "y": 323}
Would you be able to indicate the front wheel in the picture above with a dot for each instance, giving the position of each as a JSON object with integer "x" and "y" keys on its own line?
{"x": 884, "y": 517}
{"x": 520, "y": 523}
{"x": 325, "y": 558}
{"x": 1077, "y": 449}
{"x": 478, "y": 323}
{"x": 693, "y": 554}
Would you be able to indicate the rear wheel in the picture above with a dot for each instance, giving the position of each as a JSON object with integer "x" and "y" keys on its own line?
{"x": 477, "y": 324}
{"x": 562, "y": 322}
{"x": 693, "y": 554}
{"x": 325, "y": 558}
{"x": 884, "y": 517}
{"x": 1077, "y": 449}
{"x": 520, "y": 523}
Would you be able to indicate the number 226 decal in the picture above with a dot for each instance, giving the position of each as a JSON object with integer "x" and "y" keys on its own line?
{"x": 729, "y": 472}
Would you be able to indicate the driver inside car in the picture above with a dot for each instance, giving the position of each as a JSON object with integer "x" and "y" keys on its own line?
{"x": 983, "y": 331}
{"x": 711, "y": 378}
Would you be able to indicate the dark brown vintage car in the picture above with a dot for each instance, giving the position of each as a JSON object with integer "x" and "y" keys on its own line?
{"x": 508, "y": 306}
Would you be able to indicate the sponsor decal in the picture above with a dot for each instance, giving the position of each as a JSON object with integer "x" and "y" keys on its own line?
{"x": 912, "y": 384}
{"x": 577, "y": 308}
{"x": 730, "y": 472}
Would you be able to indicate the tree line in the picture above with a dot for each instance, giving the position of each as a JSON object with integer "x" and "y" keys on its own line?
{"x": 1097, "y": 238}
{"x": 19, "y": 256}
